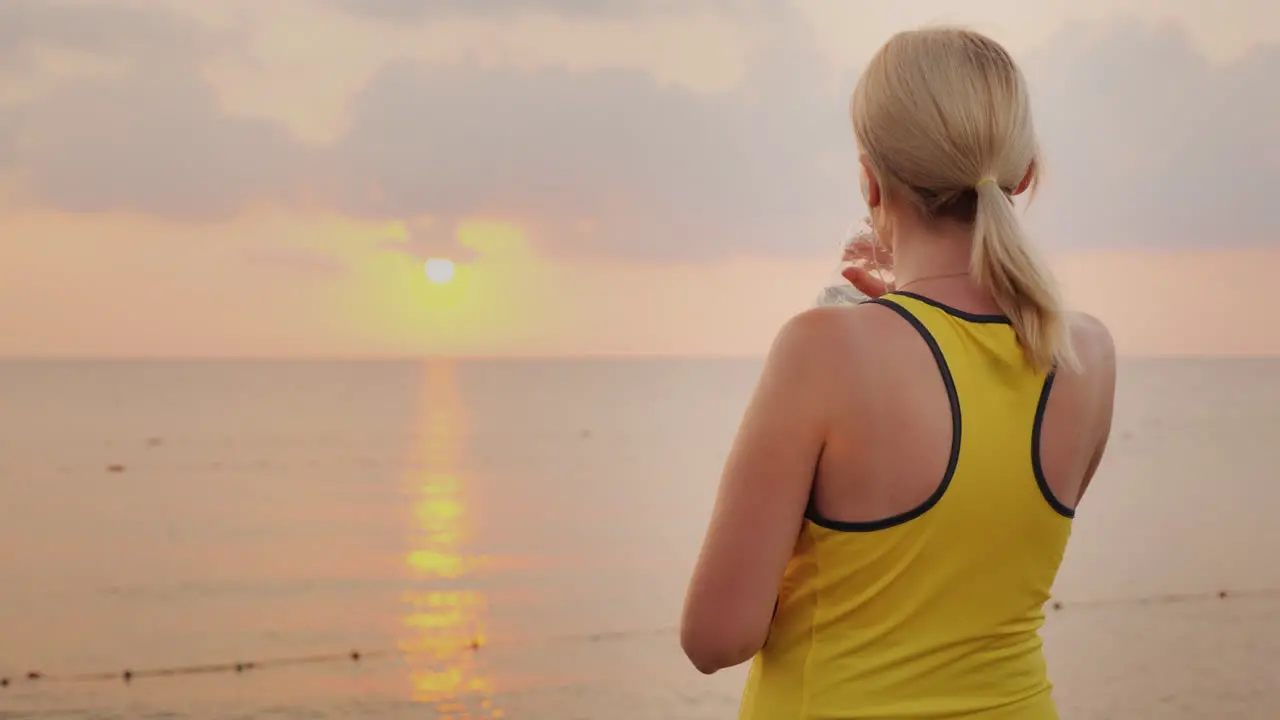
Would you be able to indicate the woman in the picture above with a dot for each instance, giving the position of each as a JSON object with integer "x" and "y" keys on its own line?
{"x": 899, "y": 497}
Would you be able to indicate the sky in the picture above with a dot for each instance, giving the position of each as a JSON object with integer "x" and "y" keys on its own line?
{"x": 661, "y": 177}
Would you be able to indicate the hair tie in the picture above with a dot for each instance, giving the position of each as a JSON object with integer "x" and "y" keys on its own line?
{"x": 984, "y": 181}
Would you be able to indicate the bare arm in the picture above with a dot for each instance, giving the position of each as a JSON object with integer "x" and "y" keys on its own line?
{"x": 761, "y": 500}
{"x": 1094, "y": 338}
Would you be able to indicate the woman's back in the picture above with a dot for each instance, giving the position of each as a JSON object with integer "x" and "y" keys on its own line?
{"x": 934, "y": 532}
{"x": 898, "y": 499}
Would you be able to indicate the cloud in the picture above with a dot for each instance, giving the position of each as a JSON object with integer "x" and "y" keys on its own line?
{"x": 148, "y": 139}
{"x": 1147, "y": 143}
{"x": 433, "y": 9}
{"x": 88, "y": 27}
{"x": 646, "y": 170}
{"x": 427, "y": 237}
{"x": 298, "y": 261}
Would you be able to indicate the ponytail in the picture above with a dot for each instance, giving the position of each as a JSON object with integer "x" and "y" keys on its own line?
{"x": 933, "y": 109}
{"x": 1022, "y": 287}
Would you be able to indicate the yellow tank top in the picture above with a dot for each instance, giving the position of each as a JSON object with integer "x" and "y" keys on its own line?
{"x": 934, "y": 613}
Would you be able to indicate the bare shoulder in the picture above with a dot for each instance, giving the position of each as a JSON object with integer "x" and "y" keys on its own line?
{"x": 1095, "y": 350}
{"x": 1088, "y": 328}
{"x": 835, "y": 331}
{"x": 816, "y": 349}
{"x": 1092, "y": 341}
{"x": 815, "y": 322}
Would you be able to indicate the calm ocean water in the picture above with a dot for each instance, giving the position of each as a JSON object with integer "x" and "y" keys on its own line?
{"x": 511, "y": 540}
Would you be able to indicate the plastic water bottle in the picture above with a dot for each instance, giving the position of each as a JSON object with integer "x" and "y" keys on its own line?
{"x": 838, "y": 290}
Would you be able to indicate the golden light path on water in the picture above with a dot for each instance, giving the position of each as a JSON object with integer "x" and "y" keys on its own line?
{"x": 444, "y": 625}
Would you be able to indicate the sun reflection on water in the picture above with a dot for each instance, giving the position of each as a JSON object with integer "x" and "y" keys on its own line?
{"x": 445, "y": 623}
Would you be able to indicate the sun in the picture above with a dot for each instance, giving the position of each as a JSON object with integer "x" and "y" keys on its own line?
{"x": 439, "y": 270}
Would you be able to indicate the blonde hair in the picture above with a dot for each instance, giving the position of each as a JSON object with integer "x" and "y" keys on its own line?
{"x": 943, "y": 116}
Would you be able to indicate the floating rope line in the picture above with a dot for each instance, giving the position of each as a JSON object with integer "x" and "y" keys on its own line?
{"x": 128, "y": 675}
{"x": 1167, "y": 598}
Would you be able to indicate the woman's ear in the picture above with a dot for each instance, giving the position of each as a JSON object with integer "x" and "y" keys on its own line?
{"x": 1027, "y": 179}
{"x": 870, "y": 185}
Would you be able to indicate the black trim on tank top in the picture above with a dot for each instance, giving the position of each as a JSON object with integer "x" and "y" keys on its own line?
{"x": 811, "y": 512}
{"x": 955, "y": 312}
{"x": 1036, "y": 467}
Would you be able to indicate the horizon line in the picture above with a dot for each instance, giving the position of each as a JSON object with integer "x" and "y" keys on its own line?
{"x": 533, "y": 357}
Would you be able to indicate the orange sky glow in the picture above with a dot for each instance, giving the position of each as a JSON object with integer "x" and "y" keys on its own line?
{"x": 135, "y": 292}
{"x": 202, "y": 180}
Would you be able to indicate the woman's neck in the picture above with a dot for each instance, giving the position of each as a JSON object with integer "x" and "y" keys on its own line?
{"x": 921, "y": 253}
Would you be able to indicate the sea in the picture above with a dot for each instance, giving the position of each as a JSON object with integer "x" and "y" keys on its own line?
{"x": 511, "y": 539}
